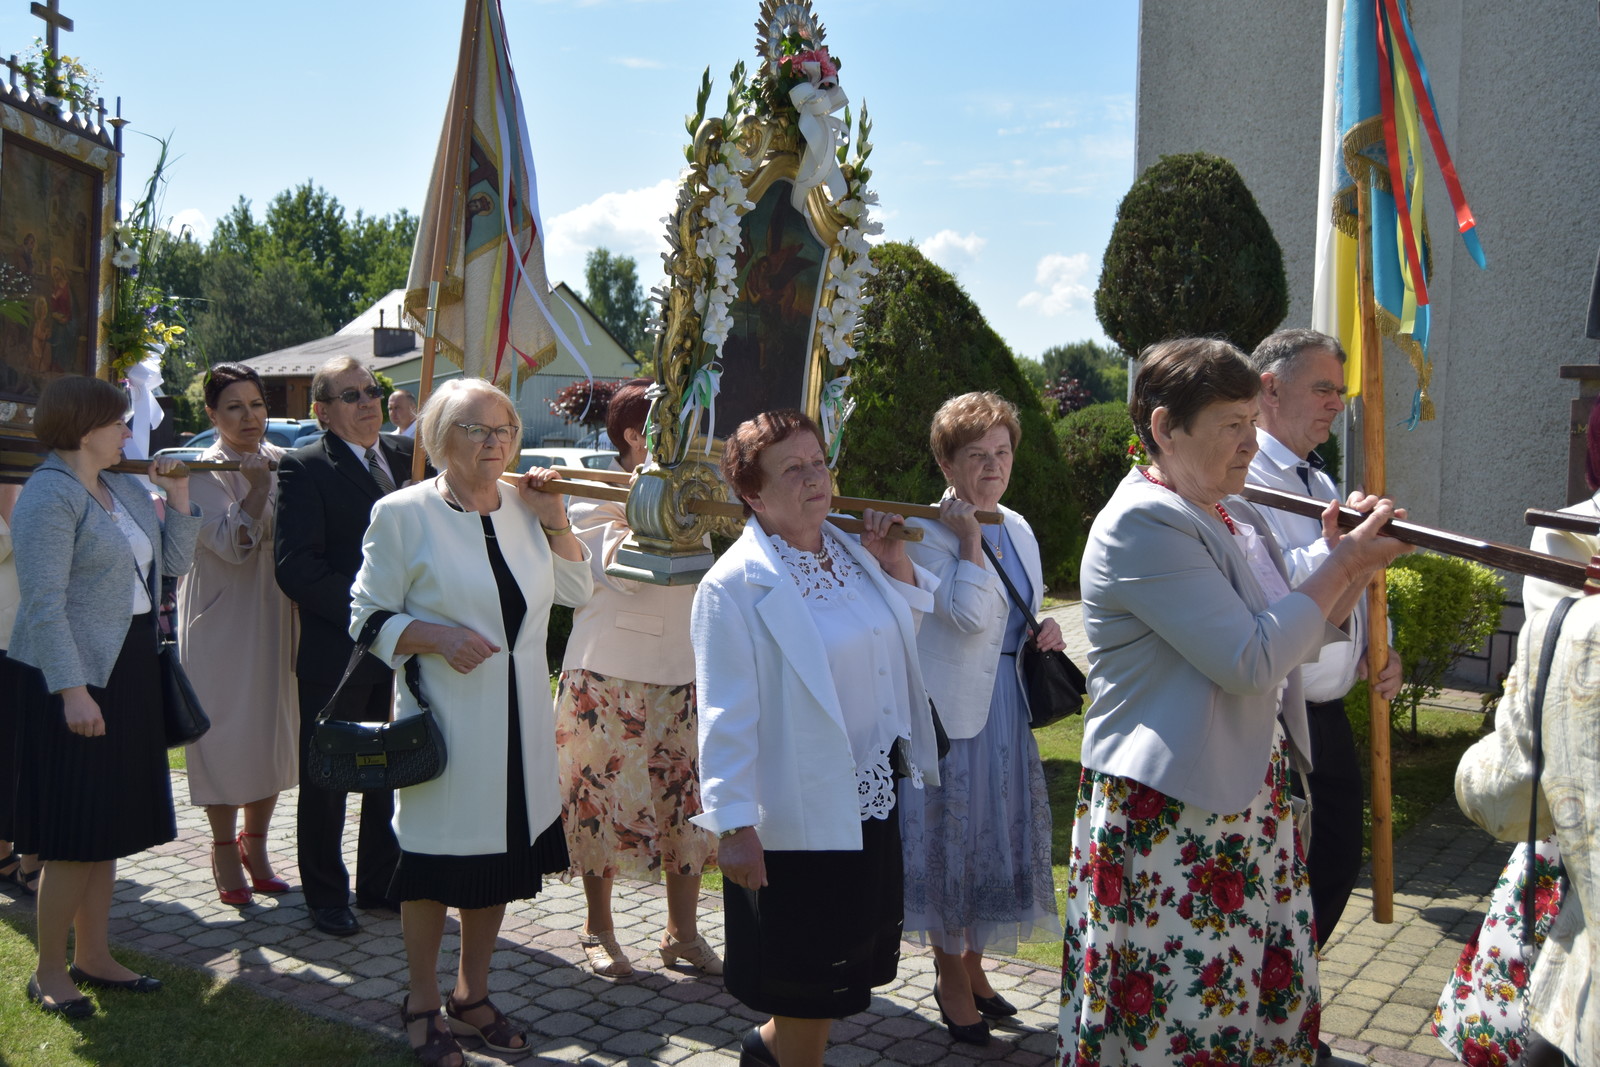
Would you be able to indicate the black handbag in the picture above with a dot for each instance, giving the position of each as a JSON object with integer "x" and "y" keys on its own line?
{"x": 1055, "y": 684}
{"x": 184, "y": 718}
{"x": 363, "y": 757}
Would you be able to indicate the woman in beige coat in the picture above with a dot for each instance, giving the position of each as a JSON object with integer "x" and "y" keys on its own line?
{"x": 236, "y": 641}
{"x": 625, "y": 729}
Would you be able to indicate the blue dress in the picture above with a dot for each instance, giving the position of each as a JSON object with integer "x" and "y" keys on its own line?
{"x": 977, "y": 846}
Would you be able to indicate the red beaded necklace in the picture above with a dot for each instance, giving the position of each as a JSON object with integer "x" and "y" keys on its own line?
{"x": 1222, "y": 511}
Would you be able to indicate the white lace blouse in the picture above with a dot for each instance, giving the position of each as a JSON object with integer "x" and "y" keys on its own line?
{"x": 866, "y": 657}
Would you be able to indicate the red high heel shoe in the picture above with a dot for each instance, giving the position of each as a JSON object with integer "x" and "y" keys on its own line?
{"x": 238, "y": 898}
{"x": 262, "y": 885}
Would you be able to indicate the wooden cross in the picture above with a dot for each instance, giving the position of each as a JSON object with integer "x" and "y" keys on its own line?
{"x": 54, "y": 22}
{"x": 15, "y": 68}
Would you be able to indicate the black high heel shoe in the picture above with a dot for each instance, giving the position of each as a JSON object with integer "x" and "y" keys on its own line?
{"x": 753, "y": 1052}
{"x": 995, "y": 1007}
{"x": 971, "y": 1033}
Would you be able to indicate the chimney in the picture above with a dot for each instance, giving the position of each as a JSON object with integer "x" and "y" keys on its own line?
{"x": 391, "y": 340}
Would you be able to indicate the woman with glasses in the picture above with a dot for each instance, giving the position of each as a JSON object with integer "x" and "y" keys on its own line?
{"x": 469, "y": 565}
{"x": 93, "y": 785}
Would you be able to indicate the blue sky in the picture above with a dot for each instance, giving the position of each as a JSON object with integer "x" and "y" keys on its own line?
{"x": 1003, "y": 131}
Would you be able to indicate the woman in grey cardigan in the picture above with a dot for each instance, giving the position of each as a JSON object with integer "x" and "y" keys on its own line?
{"x": 1188, "y": 912}
{"x": 91, "y": 553}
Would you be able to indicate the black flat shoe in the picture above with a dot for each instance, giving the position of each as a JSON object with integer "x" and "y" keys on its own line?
{"x": 142, "y": 984}
{"x": 971, "y": 1033}
{"x": 339, "y": 921}
{"x": 76, "y": 1008}
{"x": 995, "y": 1007}
{"x": 753, "y": 1051}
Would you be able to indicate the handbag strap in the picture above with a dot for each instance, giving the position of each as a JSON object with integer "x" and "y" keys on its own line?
{"x": 1547, "y": 655}
{"x": 369, "y": 634}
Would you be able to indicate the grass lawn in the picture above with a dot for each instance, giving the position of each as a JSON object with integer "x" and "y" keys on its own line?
{"x": 194, "y": 1020}
{"x": 1423, "y": 773}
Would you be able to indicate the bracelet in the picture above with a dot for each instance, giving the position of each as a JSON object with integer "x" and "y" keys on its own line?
{"x": 548, "y": 532}
{"x": 724, "y": 835}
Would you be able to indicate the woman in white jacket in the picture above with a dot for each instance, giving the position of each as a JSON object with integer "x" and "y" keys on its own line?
{"x": 977, "y": 847}
{"x": 470, "y": 566}
{"x": 811, "y": 703}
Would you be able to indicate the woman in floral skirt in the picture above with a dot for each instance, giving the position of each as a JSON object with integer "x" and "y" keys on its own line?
{"x": 625, "y": 729}
{"x": 1189, "y": 936}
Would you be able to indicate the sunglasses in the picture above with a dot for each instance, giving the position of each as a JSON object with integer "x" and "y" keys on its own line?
{"x": 353, "y": 396}
{"x": 478, "y": 433}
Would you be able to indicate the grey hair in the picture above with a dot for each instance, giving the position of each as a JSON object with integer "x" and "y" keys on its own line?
{"x": 332, "y": 369}
{"x": 1279, "y": 351}
{"x": 443, "y": 410}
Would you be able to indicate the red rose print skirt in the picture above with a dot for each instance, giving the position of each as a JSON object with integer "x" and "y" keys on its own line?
{"x": 1189, "y": 937}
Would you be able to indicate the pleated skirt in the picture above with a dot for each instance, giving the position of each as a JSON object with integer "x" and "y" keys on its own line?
{"x": 87, "y": 799}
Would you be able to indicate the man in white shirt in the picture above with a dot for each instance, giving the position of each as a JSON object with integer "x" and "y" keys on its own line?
{"x": 1302, "y": 392}
{"x": 403, "y": 412}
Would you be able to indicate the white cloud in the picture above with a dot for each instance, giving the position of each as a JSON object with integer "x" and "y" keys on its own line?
{"x": 638, "y": 63}
{"x": 195, "y": 221}
{"x": 627, "y": 223}
{"x": 1065, "y": 283}
{"x": 951, "y": 250}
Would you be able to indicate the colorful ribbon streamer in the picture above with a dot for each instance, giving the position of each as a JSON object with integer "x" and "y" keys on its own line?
{"x": 836, "y": 410}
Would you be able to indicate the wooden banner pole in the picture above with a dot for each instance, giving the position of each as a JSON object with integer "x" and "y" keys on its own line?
{"x": 459, "y": 124}
{"x": 1372, "y": 441}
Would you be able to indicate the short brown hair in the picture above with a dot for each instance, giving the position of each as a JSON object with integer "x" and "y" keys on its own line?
{"x": 72, "y": 406}
{"x": 629, "y": 406}
{"x": 741, "y": 453}
{"x": 963, "y": 419}
{"x": 1185, "y": 376}
{"x": 223, "y": 375}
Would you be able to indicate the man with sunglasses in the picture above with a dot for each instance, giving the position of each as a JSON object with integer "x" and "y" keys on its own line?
{"x": 326, "y": 491}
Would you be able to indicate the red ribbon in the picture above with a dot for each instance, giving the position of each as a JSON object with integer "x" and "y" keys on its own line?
{"x": 1391, "y": 141}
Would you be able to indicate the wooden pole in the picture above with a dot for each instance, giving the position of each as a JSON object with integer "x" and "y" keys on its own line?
{"x": 458, "y": 124}
{"x": 1372, "y": 442}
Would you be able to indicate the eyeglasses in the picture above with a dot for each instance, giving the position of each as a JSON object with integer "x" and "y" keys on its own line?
{"x": 353, "y": 396}
{"x": 478, "y": 433}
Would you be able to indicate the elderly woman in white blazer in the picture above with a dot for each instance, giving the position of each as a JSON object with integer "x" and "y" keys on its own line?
{"x": 810, "y": 702}
{"x": 977, "y": 846}
{"x": 1188, "y": 923}
{"x": 470, "y": 565}
{"x": 625, "y": 728}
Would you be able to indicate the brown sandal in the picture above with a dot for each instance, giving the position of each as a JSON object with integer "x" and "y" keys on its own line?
{"x": 498, "y": 1034}
{"x": 440, "y": 1045}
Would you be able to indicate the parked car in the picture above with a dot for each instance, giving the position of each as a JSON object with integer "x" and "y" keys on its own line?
{"x": 285, "y": 433}
{"x": 593, "y": 458}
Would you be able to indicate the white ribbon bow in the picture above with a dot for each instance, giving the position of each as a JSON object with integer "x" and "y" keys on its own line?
{"x": 144, "y": 378}
{"x": 836, "y": 409}
{"x": 700, "y": 396}
{"x": 819, "y": 164}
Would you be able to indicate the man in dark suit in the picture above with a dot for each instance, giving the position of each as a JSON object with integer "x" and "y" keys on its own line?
{"x": 326, "y": 491}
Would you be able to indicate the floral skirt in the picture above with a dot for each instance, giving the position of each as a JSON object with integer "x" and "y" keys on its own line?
{"x": 1189, "y": 937}
{"x": 977, "y": 846}
{"x": 1479, "y": 1016}
{"x": 628, "y": 756}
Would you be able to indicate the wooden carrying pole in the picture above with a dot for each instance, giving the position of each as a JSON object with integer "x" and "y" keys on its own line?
{"x": 1372, "y": 432}
{"x": 720, "y": 508}
{"x": 840, "y": 503}
{"x": 1523, "y": 561}
{"x": 458, "y": 123}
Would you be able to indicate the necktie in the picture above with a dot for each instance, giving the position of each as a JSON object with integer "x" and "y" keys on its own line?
{"x": 1304, "y": 471}
{"x": 380, "y": 473}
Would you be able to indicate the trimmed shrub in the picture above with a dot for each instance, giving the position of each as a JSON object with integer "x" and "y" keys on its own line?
{"x": 1442, "y": 608}
{"x": 924, "y": 341}
{"x": 1094, "y": 447}
{"x": 1190, "y": 255}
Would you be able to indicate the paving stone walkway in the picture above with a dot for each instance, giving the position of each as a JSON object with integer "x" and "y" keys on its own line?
{"x": 1379, "y": 982}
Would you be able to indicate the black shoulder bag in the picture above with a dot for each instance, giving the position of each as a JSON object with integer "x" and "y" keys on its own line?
{"x": 1055, "y": 684}
{"x": 362, "y": 757}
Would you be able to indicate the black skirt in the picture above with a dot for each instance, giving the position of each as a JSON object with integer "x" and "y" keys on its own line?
{"x": 87, "y": 799}
{"x": 823, "y": 932}
{"x": 15, "y": 688}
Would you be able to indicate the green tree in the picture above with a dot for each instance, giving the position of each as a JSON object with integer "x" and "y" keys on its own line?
{"x": 306, "y": 229}
{"x": 616, "y": 299}
{"x": 381, "y": 251}
{"x": 1190, "y": 254}
{"x": 246, "y": 312}
{"x": 924, "y": 341}
{"x": 1094, "y": 448}
{"x": 1101, "y": 370}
